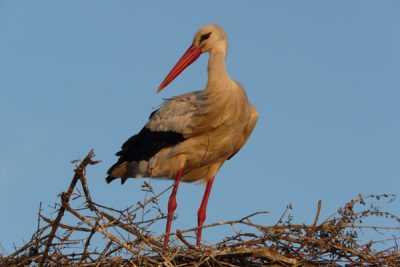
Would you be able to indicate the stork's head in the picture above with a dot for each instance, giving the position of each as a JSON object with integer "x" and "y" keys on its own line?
{"x": 210, "y": 38}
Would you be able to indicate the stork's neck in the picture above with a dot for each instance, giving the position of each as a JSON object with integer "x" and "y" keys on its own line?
{"x": 216, "y": 68}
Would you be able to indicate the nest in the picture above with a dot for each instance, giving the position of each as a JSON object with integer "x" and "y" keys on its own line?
{"x": 97, "y": 235}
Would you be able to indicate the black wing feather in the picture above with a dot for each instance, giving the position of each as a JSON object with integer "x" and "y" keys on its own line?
{"x": 147, "y": 143}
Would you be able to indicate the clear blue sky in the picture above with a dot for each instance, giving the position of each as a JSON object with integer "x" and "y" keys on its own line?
{"x": 324, "y": 76}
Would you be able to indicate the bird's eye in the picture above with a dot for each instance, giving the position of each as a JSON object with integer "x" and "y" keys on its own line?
{"x": 204, "y": 37}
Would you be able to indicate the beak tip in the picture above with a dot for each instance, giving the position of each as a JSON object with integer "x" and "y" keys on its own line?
{"x": 160, "y": 88}
{"x": 191, "y": 54}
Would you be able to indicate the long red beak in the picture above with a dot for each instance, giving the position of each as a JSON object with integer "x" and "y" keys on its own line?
{"x": 188, "y": 58}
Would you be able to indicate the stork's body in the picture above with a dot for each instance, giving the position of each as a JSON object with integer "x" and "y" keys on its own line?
{"x": 190, "y": 136}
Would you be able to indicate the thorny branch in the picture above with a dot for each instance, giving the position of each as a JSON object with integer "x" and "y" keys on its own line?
{"x": 97, "y": 235}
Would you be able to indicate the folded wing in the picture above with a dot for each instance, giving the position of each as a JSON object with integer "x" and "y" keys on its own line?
{"x": 168, "y": 126}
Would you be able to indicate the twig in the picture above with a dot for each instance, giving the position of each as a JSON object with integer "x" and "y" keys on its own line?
{"x": 87, "y": 242}
{"x": 88, "y": 160}
{"x": 317, "y": 214}
{"x": 100, "y": 228}
{"x": 184, "y": 241}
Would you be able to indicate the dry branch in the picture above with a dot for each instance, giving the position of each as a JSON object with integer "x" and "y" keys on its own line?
{"x": 104, "y": 236}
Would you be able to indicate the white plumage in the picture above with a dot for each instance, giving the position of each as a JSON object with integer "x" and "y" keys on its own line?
{"x": 190, "y": 136}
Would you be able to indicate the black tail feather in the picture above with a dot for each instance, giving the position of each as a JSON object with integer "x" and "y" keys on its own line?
{"x": 110, "y": 178}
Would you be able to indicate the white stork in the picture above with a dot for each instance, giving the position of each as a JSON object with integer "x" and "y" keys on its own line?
{"x": 191, "y": 135}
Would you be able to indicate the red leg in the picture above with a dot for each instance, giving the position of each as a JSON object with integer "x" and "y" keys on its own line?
{"x": 202, "y": 212}
{"x": 171, "y": 208}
